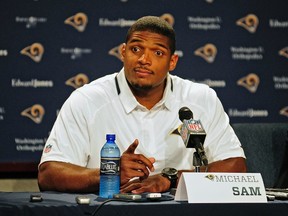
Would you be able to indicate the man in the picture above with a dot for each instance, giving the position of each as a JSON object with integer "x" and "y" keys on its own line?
{"x": 140, "y": 105}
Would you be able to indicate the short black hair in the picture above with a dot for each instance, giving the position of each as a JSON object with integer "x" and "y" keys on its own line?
{"x": 156, "y": 25}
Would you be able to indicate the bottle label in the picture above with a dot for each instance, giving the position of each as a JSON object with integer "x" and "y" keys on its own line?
{"x": 110, "y": 166}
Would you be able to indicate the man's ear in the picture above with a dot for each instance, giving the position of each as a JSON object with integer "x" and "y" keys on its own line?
{"x": 122, "y": 51}
{"x": 173, "y": 62}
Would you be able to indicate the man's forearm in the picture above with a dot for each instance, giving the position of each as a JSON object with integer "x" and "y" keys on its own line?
{"x": 237, "y": 164}
{"x": 65, "y": 177}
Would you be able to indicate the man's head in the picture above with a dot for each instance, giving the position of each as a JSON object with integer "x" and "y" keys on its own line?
{"x": 148, "y": 55}
{"x": 155, "y": 25}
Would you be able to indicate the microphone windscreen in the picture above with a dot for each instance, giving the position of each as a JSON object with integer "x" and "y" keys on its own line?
{"x": 185, "y": 113}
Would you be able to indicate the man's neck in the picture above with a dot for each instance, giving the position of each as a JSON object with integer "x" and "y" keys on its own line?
{"x": 149, "y": 97}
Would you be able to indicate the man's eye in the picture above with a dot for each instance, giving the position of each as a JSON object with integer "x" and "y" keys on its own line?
{"x": 135, "y": 49}
{"x": 159, "y": 53}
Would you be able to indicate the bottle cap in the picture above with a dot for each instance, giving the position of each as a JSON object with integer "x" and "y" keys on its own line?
{"x": 110, "y": 137}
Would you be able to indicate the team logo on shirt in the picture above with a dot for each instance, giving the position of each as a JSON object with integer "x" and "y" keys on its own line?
{"x": 48, "y": 148}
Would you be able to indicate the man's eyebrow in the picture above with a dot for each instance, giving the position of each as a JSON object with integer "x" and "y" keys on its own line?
{"x": 158, "y": 44}
{"x": 162, "y": 45}
{"x": 134, "y": 40}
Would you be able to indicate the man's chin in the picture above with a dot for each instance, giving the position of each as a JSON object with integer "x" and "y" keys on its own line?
{"x": 142, "y": 87}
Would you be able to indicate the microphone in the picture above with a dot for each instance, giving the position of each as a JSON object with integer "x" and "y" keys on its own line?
{"x": 192, "y": 133}
{"x": 185, "y": 113}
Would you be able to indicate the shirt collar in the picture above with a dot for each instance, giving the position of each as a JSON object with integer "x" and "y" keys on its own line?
{"x": 129, "y": 101}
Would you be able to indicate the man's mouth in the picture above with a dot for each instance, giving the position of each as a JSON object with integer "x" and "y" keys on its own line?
{"x": 143, "y": 71}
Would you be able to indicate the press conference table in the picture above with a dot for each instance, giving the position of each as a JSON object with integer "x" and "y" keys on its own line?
{"x": 18, "y": 203}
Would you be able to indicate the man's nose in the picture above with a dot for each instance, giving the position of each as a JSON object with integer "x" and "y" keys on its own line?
{"x": 144, "y": 59}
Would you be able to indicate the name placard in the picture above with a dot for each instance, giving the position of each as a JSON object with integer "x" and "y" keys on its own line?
{"x": 221, "y": 188}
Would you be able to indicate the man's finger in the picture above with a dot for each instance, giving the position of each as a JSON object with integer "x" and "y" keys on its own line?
{"x": 132, "y": 147}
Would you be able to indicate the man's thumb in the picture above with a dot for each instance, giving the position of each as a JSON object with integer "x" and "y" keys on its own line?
{"x": 132, "y": 147}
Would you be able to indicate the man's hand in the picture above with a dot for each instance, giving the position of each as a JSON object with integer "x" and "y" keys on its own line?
{"x": 135, "y": 165}
{"x": 153, "y": 184}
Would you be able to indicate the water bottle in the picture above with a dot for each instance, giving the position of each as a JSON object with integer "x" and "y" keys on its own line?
{"x": 109, "y": 168}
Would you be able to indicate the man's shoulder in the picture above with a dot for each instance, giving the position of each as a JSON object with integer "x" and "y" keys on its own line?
{"x": 104, "y": 82}
{"x": 182, "y": 83}
{"x": 103, "y": 87}
{"x": 104, "y": 79}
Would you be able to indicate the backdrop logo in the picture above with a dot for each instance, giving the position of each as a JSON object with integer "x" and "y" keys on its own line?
{"x": 284, "y": 52}
{"x": 35, "y": 113}
{"x": 116, "y": 51}
{"x": 31, "y": 22}
{"x": 204, "y": 23}
{"x": 77, "y": 81}
{"x": 251, "y": 113}
{"x": 76, "y": 52}
{"x": 250, "y": 82}
{"x": 78, "y": 21}
{"x": 284, "y": 111}
{"x": 2, "y": 113}
{"x": 207, "y": 52}
{"x": 249, "y": 22}
{"x": 212, "y": 83}
{"x": 168, "y": 18}
{"x": 247, "y": 53}
{"x": 34, "y": 51}
{"x": 275, "y": 23}
{"x": 280, "y": 82}
{"x": 34, "y": 83}
{"x": 3, "y": 52}
{"x": 120, "y": 22}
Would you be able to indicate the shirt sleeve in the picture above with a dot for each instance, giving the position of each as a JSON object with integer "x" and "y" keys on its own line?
{"x": 221, "y": 141}
{"x": 68, "y": 140}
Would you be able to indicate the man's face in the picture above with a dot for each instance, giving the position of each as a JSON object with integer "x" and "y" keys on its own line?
{"x": 147, "y": 60}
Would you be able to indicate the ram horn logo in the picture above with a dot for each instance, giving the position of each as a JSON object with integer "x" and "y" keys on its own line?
{"x": 250, "y": 82}
{"x": 168, "y": 18}
{"x": 249, "y": 22}
{"x": 35, "y": 113}
{"x": 78, "y": 21}
{"x": 210, "y": 177}
{"x": 207, "y": 52}
{"x": 284, "y": 111}
{"x": 77, "y": 81}
{"x": 284, "y": 52}
{"x": 116, "y": 51}
{"x": 34, "y": 51}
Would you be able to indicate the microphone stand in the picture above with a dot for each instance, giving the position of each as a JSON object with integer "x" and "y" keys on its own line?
{"x": 197, "y": 162}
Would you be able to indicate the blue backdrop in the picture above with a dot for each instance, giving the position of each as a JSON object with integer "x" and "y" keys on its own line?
{"x": 49, "y": 48}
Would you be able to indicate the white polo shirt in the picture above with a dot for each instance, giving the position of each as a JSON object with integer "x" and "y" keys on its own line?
{"x": 107, "y": 105}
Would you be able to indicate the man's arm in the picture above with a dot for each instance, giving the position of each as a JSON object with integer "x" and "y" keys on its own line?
{"x": 158, "y": 183}
{"x": 66, "y": 177}
{"x": 237, "y": 164}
